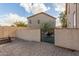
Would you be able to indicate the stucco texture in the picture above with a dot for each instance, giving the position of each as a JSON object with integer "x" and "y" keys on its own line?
{"x": 67, "y": 38}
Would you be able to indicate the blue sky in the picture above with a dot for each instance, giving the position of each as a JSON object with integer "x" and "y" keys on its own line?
{"x": 20, "y": 11}
{"x": 6, "y": 8}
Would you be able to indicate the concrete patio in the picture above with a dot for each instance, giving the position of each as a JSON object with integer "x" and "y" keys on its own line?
{"x": 20, "y": 47}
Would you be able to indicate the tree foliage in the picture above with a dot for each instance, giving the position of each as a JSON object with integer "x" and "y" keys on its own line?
{"x": 46, "y": 27}
{"x": 20, "y": 24}
{"x": 63, "y": 19}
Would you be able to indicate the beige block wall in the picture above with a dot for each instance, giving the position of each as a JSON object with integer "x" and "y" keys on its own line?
{"x": 20, "y": 32}
{"x": 67, "y": 38}
{"x": 7, "y": 31}
{"x": 28, "y": 34}
{"x": 43, "y": 18}
{"x": 1, "y": 32}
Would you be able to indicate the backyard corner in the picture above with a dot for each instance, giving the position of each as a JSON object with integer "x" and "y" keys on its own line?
{"x": 30, "y": 31}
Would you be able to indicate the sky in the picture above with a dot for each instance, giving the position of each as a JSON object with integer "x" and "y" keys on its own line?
{"x": 12, "y": 12}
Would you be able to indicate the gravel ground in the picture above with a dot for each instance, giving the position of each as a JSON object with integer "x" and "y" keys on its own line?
{"x": 26, "y": 48}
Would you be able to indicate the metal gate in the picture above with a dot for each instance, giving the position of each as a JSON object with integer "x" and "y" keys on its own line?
{"x": 46, "y": 37}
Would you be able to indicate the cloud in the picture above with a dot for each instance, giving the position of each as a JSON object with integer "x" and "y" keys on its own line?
{"x": 26, "y": 6}
{"x": 59, "y": 7}
{"x": 34, "y": 7}
{"x": 10, "y": 18}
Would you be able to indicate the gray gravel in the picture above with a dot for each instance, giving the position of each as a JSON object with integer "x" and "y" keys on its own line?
{"x": 26, "y": 48}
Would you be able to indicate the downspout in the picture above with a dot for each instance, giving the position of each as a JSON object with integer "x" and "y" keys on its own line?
{"x": 76, "y": 15}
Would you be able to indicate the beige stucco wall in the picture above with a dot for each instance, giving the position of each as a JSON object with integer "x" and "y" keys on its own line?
{"x": 67, "y": 38}
{"x": 71, "y": 8}
{"x": 28, "y": 34}
{"x": 43, "y": 18}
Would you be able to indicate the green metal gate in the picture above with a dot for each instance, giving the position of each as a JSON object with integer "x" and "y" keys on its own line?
{"x": 47, "y": 38}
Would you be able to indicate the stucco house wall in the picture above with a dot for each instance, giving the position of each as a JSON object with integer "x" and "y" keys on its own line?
{"x": 71, "y": 9}
{"x": 42, "y": 17}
